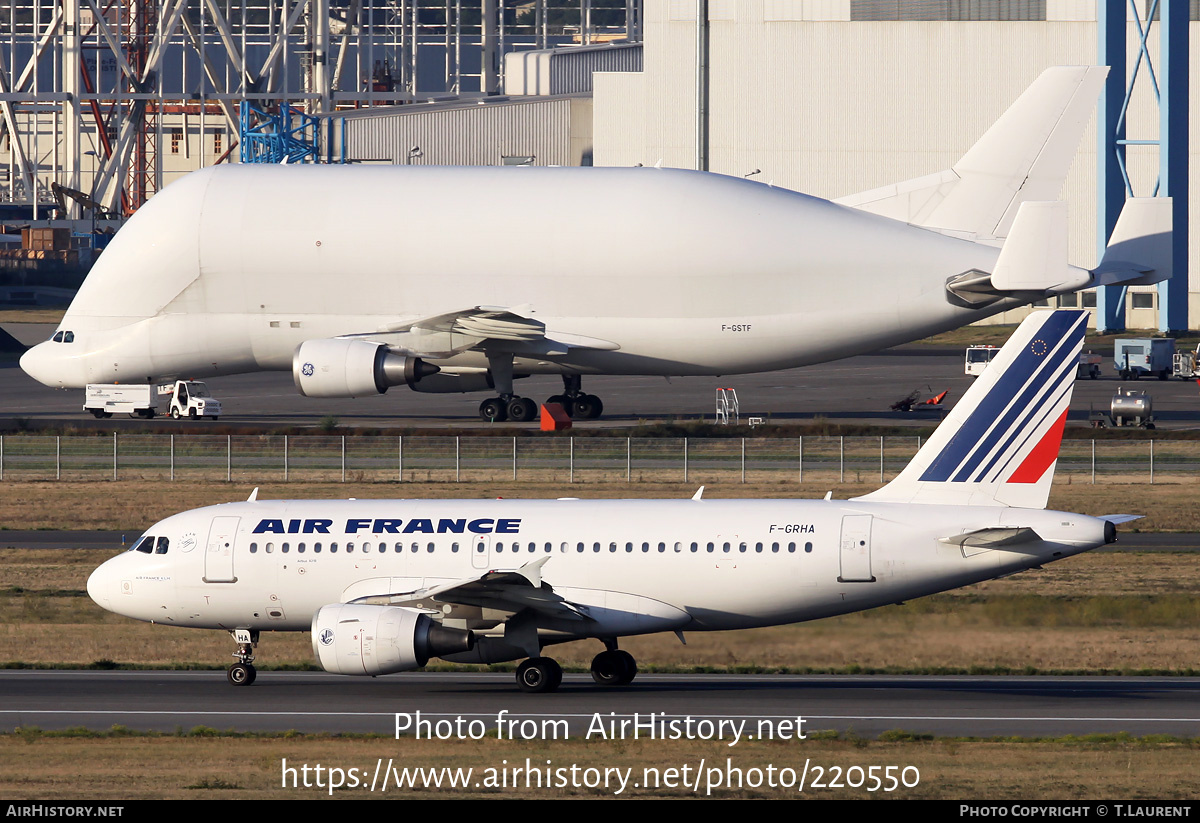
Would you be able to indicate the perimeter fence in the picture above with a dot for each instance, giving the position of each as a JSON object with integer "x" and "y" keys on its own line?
{"x": 310, "y": 458}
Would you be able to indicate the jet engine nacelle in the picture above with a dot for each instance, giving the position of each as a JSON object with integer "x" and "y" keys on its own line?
{"x": 346, "y": 367}
{"x": 360, "y": 639}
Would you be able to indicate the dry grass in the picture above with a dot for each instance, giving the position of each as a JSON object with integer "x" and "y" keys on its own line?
{"x": 32, "y": 315}
{"x": 193, "y": 768}
{"x": 135, "y": 505}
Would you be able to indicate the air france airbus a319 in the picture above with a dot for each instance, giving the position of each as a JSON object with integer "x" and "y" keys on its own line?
{"x": 385, "y": 585}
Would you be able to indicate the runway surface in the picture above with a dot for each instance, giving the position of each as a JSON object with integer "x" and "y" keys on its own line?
{"x": 278, "y": 701}
{"x": 858, "y": 390}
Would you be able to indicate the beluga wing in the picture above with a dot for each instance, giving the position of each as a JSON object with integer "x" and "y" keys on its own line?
{"x": 494, "y": 328}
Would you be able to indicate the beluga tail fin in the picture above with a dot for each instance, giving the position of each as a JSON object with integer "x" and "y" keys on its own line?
{"x": 999, "y": 445}
{"x": 1025, "y": 155}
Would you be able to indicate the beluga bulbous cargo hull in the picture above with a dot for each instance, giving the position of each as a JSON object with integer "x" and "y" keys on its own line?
{"x": 386, "y": 585}
{"x": 462, "y": 279}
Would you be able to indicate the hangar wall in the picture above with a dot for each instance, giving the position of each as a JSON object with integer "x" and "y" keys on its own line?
{"x": 831, "y": 106}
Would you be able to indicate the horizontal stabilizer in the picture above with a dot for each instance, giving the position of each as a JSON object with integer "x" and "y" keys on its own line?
{"x": 993, "y": 538}
{"x": 1034, "y": 257}
{"x": 1139, "y": 251}
{"x": 1118, "y": 519}
{"x": 1025, "y": 155}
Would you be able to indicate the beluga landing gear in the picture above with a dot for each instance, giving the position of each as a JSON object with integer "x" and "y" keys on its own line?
{"x": 507, "y": 406}
{"x": 578, "y": 405}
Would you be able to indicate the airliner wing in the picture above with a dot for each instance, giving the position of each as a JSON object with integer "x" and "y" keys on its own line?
{"x": 503, "y": 591}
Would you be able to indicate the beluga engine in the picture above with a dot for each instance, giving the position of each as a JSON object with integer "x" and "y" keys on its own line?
{"x": 348, "y": 367}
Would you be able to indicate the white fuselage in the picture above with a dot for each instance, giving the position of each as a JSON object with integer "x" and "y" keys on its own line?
{"x": 635, "y": 566}
{"x": 679, "y": 273}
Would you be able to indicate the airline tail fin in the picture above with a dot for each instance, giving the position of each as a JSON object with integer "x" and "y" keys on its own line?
{"x": 1025, "y": 155}
{"x": 999, "y": 445}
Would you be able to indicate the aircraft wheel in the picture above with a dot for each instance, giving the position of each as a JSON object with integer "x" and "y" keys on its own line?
{"x": 493, "y": 410}
{"x": 241, "y": 674}
{"x": 175, "y": 413}
{"x": 614, "y": 668}
{"x": 539, "y": 674}
{"x": 562, "y": 401}
{"x": 521, "y": 410}
{"x": 587, "y": 406}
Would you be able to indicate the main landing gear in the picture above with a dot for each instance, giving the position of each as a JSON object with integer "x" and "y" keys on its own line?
{"x": 521, "y": 409}
{"x": 578, "y": 405}
{"x": 243, "y": 673}
{"x": 508, "y": 407}
{"x": 612, "y": 667}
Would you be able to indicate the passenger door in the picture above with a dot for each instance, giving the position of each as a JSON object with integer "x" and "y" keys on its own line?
{"x": 218, "y": 559}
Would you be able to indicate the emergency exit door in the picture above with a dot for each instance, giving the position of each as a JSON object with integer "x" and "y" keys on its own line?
{"x": 856, "y": 549}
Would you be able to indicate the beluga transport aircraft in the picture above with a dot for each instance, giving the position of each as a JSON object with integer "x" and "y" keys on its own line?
{"x": 464, "y": 279}
{"x": 385, "y": 585}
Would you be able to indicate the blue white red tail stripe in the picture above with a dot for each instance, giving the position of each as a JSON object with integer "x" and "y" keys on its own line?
{"x": 999, "y": 445}
{"x": 1029, "y": 390}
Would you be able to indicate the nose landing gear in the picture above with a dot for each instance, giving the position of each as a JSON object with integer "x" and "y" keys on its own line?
{"x": 243, "y": 673}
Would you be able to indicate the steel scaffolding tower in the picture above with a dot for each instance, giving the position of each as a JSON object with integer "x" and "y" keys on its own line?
{"x": 152, "y": 88}
{"x": 1169, "y": 83}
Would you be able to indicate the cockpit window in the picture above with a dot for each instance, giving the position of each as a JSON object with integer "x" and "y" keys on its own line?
{"x": 57, "y": 338}
{"x": 145, "y": 545}
{"x": 64, "y": 337}
{"x": 161, "y": 548}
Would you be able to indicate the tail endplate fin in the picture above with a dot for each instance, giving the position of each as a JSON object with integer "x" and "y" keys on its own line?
{"x": 999, "y": 445}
